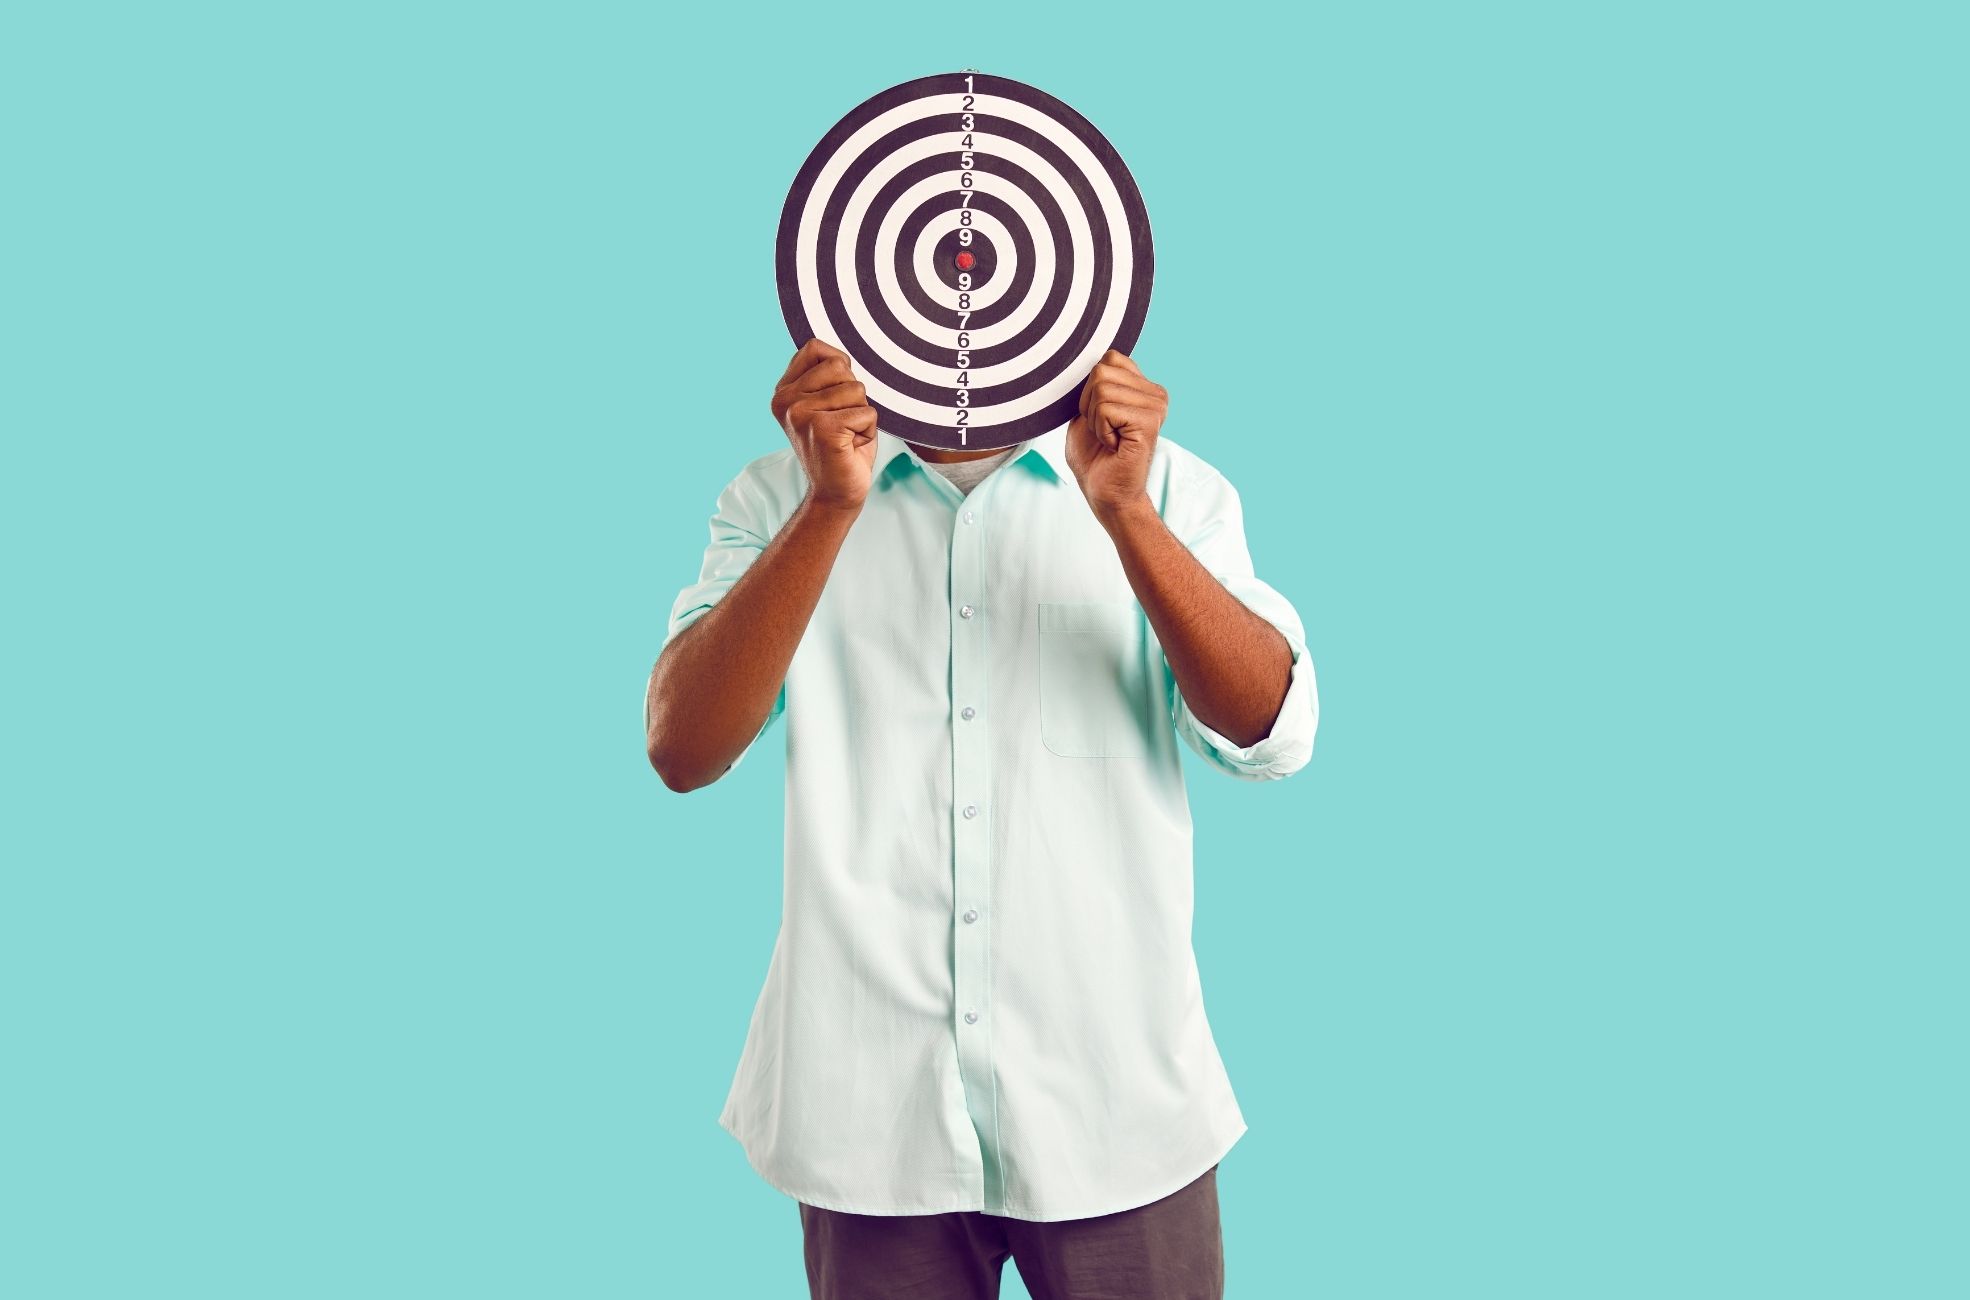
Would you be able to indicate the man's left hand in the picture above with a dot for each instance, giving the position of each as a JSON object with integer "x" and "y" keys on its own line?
{"x": 1110, "y": 442}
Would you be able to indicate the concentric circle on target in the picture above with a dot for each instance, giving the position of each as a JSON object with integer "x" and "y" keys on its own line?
{"x": 974, "y": 245}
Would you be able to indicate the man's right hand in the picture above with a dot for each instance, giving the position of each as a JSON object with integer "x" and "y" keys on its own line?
{"x": 714, "y": 684}
{"x": 821, "y": 407}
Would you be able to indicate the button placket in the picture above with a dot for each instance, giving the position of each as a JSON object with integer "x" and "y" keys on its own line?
{"x": 971, "y": 994}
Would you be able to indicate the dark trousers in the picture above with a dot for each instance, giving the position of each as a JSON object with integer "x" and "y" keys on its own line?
{"x": 1170, "y": 1249}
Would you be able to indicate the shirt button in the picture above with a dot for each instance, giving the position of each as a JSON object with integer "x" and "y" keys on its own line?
{"x": 971, "y": 1017}
{"x": 969, "y": 713}
{"x": 971, "y": 810}
{"x": 969, "y": 516}
{"x": 971, "y": 914}
{"x": 964, "y": 611}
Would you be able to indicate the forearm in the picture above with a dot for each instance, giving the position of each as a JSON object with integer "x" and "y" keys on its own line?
{"x": 1232, "y": 666}
{"x": 714, "y": 685}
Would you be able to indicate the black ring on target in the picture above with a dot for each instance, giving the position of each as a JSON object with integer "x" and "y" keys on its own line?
{"x": 910, "y": 353}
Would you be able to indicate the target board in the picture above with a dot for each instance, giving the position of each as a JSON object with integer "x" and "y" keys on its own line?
{"x": 974, "y": 245}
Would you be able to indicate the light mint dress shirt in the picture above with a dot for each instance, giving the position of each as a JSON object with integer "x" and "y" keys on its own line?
{"x": 982, "y": 994}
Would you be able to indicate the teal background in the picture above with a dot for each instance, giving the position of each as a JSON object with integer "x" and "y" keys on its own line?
{"x": 1593, "y": 377}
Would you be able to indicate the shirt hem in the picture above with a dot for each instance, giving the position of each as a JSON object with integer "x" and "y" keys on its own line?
{"x": 823, "y": 1203}
{"x": 1223, "y": 1149}
{"x": 977, "y": 1206}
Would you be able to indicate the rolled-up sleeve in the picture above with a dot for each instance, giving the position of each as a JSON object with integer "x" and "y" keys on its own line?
{"x": 1205, "y": 513}
{"x": 738, "y": 534}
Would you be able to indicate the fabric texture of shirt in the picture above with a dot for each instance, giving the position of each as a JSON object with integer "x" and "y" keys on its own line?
{"x": 982, "y": 994}
{"x": 968, "y": 474}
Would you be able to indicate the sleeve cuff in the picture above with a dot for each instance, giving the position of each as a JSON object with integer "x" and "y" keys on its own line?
{"x": 1282, "y": 751}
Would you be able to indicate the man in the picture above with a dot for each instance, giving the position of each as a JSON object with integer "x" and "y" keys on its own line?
{"x": 982, "y": 1032}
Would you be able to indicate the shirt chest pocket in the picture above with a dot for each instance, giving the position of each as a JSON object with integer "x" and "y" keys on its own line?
{"x": 1094, "y": 685}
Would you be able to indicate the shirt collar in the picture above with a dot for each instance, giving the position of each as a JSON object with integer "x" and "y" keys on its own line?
{"x": 1048, "y": 449}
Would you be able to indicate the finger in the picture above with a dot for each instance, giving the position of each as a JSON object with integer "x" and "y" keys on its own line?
{"x": 1104, "y": 437}
{"x": 808, "y": 413}
{"x": 1110, "y": 390}
{"x": 804, "y": 356}
{"x": 1081, "y": 431}
{"x": 1110, "y": 381}
{"x": 1087, "y": 391}
{"x": 810, "y": 354}
{"x": 838, "y": 428}
{"x": 795, "y": 395}
{"x": 1092, "y": 423}
{"x": 1114, "y": 358}
{"x": 1123, "y": 375}
{"x": 825, "y": 374}
{"x": 1117, "y": 415}
{"x": 835, "y": 397}
{"x": 1114, "y": 418}
{"x": 1123, "y": 385}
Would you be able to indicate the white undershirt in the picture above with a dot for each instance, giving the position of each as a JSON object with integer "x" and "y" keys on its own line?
{"x": 967, "y": 474}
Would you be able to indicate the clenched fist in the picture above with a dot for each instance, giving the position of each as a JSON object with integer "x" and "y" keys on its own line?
{"x": 821, "y": 407}
{"x": 1110, "y": 442}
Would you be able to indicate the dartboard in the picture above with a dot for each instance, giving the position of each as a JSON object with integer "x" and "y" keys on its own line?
{"x": 974, "y": 245}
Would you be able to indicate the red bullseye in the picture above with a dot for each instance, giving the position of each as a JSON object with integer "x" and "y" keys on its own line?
{"x": 966, "y": 261}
